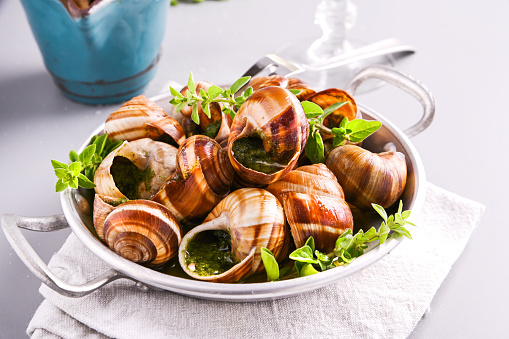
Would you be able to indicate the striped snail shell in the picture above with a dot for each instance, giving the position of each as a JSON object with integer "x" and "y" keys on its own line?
{"x": 289, "y": 83}
{"x": 143, "y": 232}
{"x": 314, "y": 205}
{"x": 203, "y": 178}
{"x": 141, "y": 118}
{"x": 152, "y": 162}
{"x": 267, "y": 136}
{"x": 368, "y": 177}
{"x": 254, "y": 219}
{"x": 331, "y": 96}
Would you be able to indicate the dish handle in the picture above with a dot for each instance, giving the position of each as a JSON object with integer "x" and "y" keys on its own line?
{"x": 404, "y": 82}
{"x": 11, "y": 225}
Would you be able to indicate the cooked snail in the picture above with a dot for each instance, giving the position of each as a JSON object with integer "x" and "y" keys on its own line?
{"x": 203, "y": 178}
{"x": 331, "y": 96}
{"x": 135, "y": 170}
{"x": 216, "y": 127}
{"x": 254, "y": 219}
{"x": 314, "y": 205}
{"x": 267, "y": 136}
{"x": 141, "y": 118}
{"x": 368, "y": 177}
{"x": 142, "y": 231}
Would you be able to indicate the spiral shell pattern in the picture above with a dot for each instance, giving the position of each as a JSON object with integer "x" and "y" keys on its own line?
{"x": 141, "y": 118}
{"x": 203, "y": 178}
{"x": 143, "y": 231}
{"x": 368, "y": 177}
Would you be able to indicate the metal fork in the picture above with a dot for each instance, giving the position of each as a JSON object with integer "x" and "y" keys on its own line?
{"x": 274, "y": 64}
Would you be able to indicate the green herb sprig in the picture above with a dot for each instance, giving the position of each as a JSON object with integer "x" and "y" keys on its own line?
{"x": 229, "y": 97}
{"x": 354, "y": 131}
{"x": 80, "y": 172}
{"x": 348, "y": 246}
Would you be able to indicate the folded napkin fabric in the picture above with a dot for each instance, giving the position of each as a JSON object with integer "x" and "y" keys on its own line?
{"x": 385, "y": 300}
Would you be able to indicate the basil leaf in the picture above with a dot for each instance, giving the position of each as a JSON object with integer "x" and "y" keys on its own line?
{"x": 60, "y": 186}
{"x": 206, "y": 108}
{"x": 237, "y": 85}
{"x": 380, "y": 210}
{"x": 191, "y": 86}
{"x": 311, "y": 243}
{"x": 100, "y": 143}
{"x": 303, "y": 254}
{"x": 295, "y": 91}
{"x": 194, "y": 115}
{"x": 314, "y": 148}
{"x": 361, "y": 129}
{"x": 73, "y": 156}
{"x": 58, "y": 164}
{"x": 311, "y": 109}
{"x": 214, "y": 91}
{"x": 307, "y": 269}
{"x": 383, "y": 232}
{"x": 86, "y": 156}
{"x": 405, "y": 214}
{"x": 333, "y": 107}
{"x": 84, "y": 182}
{"x": 270, "y": 263}
{"x": 61, "y": 172}
{"x": 75, "y": 168}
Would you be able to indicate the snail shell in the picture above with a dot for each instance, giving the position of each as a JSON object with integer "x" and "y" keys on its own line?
{"x": 368, "y": 177}
{"x": 314, "y": 205}
{"x": 141, "y": 118}
{"x": 203, "y": 178}
{"x": 216, "y": 127}
{"x": 158, "y": 159}
{"x": 255, "y": 219}
{"x": 143, "y": 231}
{"x": 331, "y": 96}
{"x": 275, "y": 119}
{"x": 289, "y": 83}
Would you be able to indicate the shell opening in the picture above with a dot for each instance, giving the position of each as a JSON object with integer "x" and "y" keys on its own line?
{"x": 128, "y": 177}
{"x": 250, "y": 152}
{"x": 209, "y": 253}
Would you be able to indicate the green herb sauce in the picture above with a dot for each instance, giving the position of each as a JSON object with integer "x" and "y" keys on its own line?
{"x": 250, "y": 153}
{"x": 210, "y": 251}
{"x": 128, "y": 177}
{"x": 211, "y": 129}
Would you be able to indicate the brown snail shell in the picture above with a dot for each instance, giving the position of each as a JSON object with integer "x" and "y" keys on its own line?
{"x": 313, "y": 179}
{"x": 331, "y": 96}
{"x": 274, "y": 116}
{"x": 157, "y": 157}
{"x": 217, "y": 117}
{"x": 314, "y": 205}
{"x": 143, "y": 231}
{"x": 141, "y": 118}
{"x": 255, "y": 219}
{"x": 203, "y": 178}
{"x": 368, "y": 177}
{"x": 289, "y": 83}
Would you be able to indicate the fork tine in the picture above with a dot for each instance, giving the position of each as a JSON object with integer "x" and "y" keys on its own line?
{"x": 274, "y": 64}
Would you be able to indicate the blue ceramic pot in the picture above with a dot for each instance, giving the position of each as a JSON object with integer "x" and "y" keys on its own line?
{"x": 103, "y": 55}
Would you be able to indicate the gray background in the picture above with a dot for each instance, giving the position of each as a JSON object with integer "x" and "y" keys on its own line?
{"x": 462, "y": 57}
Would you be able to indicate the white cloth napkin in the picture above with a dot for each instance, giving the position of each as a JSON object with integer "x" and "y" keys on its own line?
{"x": 385, "y": 300}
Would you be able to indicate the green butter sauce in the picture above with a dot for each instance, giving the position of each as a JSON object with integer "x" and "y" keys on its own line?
{"x": 210, "y": 251}
{"x": 250, "y": 153}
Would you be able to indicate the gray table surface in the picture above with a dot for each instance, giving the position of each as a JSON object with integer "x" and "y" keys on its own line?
{"x": 462, "y": 53}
